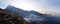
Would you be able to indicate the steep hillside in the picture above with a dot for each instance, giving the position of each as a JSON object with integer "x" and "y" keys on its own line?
{"x": 8, "y": 18}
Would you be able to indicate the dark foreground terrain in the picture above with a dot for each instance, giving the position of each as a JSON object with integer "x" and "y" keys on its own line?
{"x": 8, "y": 18}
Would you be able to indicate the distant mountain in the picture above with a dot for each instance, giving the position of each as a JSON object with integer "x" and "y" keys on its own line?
{"x": 31, "y": 15}
{"x": 12, "y": 9}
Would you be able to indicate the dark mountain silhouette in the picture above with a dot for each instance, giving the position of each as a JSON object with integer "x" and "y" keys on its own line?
{"x": 10, "y": 18}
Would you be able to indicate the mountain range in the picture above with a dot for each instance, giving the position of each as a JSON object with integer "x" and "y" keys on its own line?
{"x": 32, "y": 16}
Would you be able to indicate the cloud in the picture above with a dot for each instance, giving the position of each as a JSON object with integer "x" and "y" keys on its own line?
{"x": 33, "y": 17}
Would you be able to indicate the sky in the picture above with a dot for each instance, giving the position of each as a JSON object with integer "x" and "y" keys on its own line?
{"x": 50, "y": 6}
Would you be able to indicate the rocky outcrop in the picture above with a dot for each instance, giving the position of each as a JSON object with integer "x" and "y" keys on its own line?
{"x": 8, "y": 18}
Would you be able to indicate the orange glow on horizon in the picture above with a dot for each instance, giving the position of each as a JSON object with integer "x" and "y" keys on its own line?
{"x": 42, "y": 11}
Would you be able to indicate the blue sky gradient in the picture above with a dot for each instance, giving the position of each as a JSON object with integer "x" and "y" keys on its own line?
{"x": 46, "y": 5}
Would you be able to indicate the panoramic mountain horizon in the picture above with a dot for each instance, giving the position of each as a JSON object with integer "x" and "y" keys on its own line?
{"x": 31, "y": 11}
{"x": 32, "y": 16}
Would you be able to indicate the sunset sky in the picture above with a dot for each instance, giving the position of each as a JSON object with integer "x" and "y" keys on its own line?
{"x": 37, "y": 5}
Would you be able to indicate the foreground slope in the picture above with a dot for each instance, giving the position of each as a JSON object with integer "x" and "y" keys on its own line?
{"x": 7, "y": 18}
